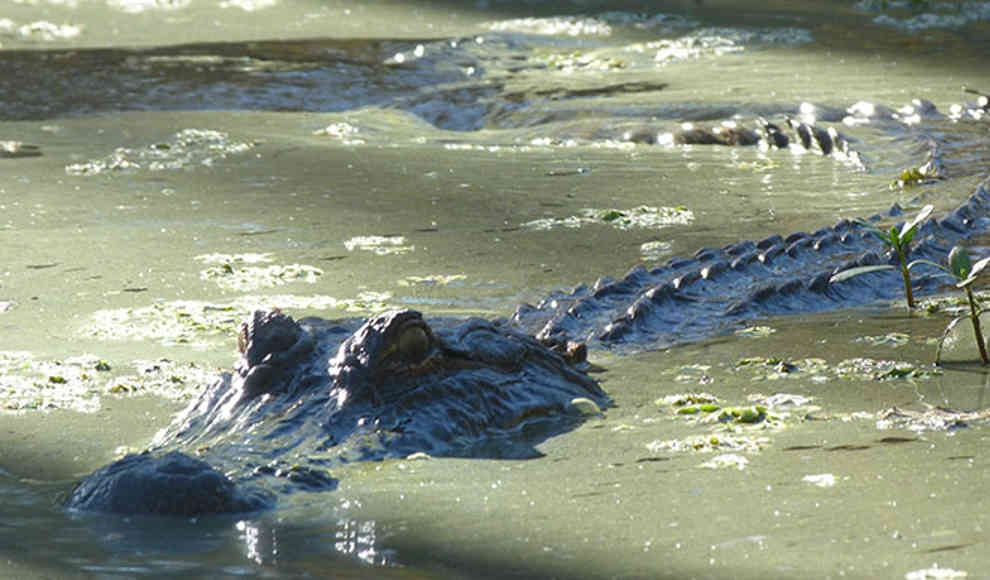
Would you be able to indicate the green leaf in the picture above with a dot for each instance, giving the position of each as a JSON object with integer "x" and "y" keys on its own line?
{"x": 907, "y": 236}
{"x": 979, "y": 266}
{"x": 894, "y": 234}
{"x": 959, "y": 264}
{"x": 852, "y": 272}
{"x": 975, "y": 273}
{"x": 911, "y": 226}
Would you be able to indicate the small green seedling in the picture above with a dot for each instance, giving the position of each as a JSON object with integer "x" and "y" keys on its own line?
{"x": 898, "y": 241}
{"x": 965, "y": 274}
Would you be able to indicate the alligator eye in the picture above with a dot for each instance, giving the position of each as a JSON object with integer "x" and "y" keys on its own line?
{"x": 413, "y": 343}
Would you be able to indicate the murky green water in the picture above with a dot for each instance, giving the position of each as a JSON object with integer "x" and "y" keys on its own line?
{"x": 201, "y": 159}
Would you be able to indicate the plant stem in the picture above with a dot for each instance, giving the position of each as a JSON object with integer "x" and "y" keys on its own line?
{"x": 907, "y": 280}
{"x": 974, "y": 315}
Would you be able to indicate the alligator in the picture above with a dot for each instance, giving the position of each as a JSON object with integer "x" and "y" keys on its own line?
{"x": 801, "y": 128}
{"x": 826, "y": 141}
{"x": 307, "y": 396}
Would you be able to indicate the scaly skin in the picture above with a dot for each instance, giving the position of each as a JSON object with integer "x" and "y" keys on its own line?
{"x": 718, "y": 289}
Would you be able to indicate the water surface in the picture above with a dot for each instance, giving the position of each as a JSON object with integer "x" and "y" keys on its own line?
{"x": 344, "y": 159}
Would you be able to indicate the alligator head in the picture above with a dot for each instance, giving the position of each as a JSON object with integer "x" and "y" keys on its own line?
{"x": 305, "y": 397}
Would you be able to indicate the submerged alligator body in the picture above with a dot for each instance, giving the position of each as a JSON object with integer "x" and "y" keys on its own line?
{"x": 305, "y": 398}
{"x": 718, "y": 289}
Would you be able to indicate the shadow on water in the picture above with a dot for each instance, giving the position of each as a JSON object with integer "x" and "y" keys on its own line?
{"x": 307, "y": 540}
{"x": 319, "y": 75}
{"x": 311, "y": 539}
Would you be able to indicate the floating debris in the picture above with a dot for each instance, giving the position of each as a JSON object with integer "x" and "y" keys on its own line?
{"x": 932, "y": 419}
{"x": 380, "y": 245}
{"x": 695, "y": 409}
{"x": 553, "y": 25}
{"x": 163, "y": 378}
{"x": 77, "y": 383}
{"x": 655, "y": 251}
{"x": 782, "y": 401}
{"x": 754, "y": 414}
{"x": 687, "y": 399}
{"x": 221, "y": 259}
{"x": 705, "y": 408}
{"x": 201, "y": 324}
{"x": 567, "y": 172}
{"x": 187, "y": 149}
{"x": 30, "y": 384}
{"x": 573, "y": 61}
{"x": 643, "y": 216}
{"x": 726, "y": 461}
{"x": 601, "y": 25}
{"x": 17, "y": 149}
{"x": 936, "y": 573}
{"x": 248, "y": 5}
{"x": 719, "y": 41}
{"x": 549, "y": 142}
{"x": 953, "y": 304}
{"x": 816, "y": 369}
{"x": 882, "y": 370}
{"x": 138, "y": 6}
{"x": 253, "y": 277}
{"x": 709, "y": 444}
{"x": 692, "y": 47}
{"x": 41, "y": 30}
{"x": 431, "y": 280}
{"x": 345, "y": 132}
{"x": 821, "y": 480}
{"x": 231, "y": 274}
{"x": 691, "y": 374}
{"x": 927, "y": 173}
{"x": 755, "y": 331}
{"x": 771, "y": 368}
{"x": 893, "y": 339}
